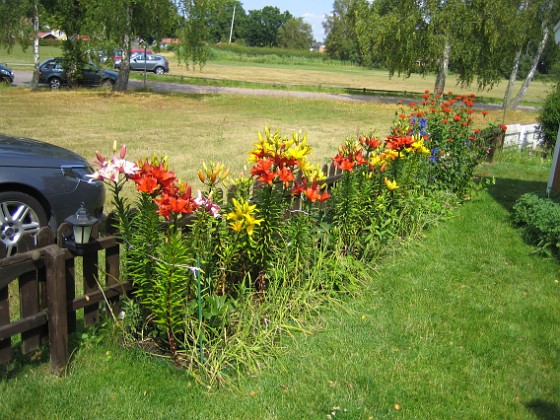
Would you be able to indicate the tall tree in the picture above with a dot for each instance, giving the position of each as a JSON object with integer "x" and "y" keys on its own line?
{"x": 196, "y": 32}
{"x": 263, "y": 26}
{"x": 120, "y": 22}
{"x": 220, "y": 25}
{"x": 340, "y": 27}
{"x": 19, "y": 20}
{"x": 295, "y": 34}
{"x": 70, "y": 15}
{"x": 15, "y": 22}
{"x": 536, "y": 17}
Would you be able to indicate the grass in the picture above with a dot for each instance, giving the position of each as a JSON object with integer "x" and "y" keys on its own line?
{"x": 462, "y": 324}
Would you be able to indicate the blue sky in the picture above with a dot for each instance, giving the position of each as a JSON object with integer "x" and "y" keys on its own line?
{"x": 312, "y": 11}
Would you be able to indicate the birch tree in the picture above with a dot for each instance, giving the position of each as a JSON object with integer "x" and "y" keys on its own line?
{"x": 536, "y": 19}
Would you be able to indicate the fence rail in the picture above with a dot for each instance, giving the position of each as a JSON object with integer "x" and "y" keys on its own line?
{"x": 40, "y": 297}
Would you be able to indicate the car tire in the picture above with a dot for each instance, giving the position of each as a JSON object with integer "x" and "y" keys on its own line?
{"x": 19, "y": 213}
{"x": 55, "y": 83}
{"x": 107, "y": 84}
{"x": 159, "y": 70}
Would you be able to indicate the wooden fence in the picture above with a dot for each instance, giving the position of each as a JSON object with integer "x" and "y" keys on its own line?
{"x": 39, "y": 295}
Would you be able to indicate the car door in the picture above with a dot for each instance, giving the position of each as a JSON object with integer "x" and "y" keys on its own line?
{"x": 91, "y": 75}
{"x": 137, "y": 63}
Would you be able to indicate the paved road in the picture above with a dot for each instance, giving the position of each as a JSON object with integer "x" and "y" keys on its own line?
{"x": 23, "y": 78}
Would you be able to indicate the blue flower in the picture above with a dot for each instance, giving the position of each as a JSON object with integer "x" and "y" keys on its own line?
{"x": 434, "y": 155}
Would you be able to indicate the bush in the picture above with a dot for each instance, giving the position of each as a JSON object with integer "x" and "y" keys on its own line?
{"x": 540, "y": 218}
{"x": 549, "y": 120}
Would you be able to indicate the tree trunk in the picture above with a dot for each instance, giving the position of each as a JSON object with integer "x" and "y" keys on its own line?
{"x": 35, "y": 79}
{"x": 515, "y": 103}
{"x": 443, "y": 65}
{"x": 124, "y": 70}
{"x": 512, "y": 79}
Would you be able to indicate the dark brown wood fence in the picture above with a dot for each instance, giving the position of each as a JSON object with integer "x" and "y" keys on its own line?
{"x": 39, "y": 295}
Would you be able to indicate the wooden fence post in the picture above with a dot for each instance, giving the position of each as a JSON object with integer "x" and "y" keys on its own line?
{"x": 56, "y": 305}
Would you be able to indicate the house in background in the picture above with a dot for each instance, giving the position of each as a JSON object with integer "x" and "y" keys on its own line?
{"x": 165, "y": 42}
{"x": 53, "y": 34}
{"x": 318, "y": 46}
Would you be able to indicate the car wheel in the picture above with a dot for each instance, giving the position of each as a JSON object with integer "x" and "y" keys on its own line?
{"x": 107, "y": 84}
{"x": 19, "y": 213}
{"x": 159, "y": 70}
{"x": 55, "y": 83}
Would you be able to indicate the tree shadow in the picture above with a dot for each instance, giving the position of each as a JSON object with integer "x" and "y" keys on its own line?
{"x": 506, "y": 191}
{"x": 544, "y": 410}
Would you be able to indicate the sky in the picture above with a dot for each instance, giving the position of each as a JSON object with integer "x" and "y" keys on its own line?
{"x": 312, "y": 11}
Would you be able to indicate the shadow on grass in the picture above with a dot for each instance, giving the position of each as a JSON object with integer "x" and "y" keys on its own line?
{"x": 40, "y": 358}
{"x": 544, "y": 410}
{"x": 506, "y": 191}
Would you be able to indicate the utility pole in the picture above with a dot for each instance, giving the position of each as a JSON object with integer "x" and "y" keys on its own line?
{"x": 231, "y": 27}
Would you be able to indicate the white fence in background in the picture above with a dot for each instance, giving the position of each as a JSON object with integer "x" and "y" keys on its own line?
{"x": 522, "y": 136}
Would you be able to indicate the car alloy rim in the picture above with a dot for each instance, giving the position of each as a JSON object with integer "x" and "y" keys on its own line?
{"x": 17, "y": 218}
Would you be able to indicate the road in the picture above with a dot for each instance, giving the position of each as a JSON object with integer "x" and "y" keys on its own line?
{"x": 23, "y": 78}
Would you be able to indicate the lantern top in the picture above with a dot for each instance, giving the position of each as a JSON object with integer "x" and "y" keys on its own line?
{"x": 81, "y": 218}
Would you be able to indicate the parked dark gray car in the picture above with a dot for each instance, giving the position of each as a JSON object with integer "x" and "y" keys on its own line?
{"x": 138, "y": 61}
{"x": 6, "y": 75}
{"x": 42, "y": 184}
{"x": 52, "y": 72}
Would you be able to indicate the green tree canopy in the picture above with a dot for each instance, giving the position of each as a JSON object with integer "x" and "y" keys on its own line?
{"x": 295, "y": 34}
{"x": 340, "y": 26}
{"x": 220, "y": 24}
{"x": 263, "y": 26}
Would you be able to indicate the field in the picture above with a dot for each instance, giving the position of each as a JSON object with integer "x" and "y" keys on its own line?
{"x": 314, "y": 75}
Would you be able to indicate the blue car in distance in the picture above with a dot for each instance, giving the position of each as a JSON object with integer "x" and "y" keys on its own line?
{"x": 6, "y": 75}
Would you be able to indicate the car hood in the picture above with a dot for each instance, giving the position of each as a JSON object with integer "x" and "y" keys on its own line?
{"x": 23, "y": 152}
{"x": 111, "y": 73}
{"x": 6, "y": 69}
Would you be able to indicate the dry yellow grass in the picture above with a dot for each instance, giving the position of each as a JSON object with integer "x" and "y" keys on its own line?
{"x": 190, "y": 129}
{"x": 340, "y": 77}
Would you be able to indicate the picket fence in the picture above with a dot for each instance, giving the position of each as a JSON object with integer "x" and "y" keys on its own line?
{"x": 522, "y": 136}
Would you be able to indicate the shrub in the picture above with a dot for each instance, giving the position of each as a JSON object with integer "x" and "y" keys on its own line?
{"x": 549, "y": 120}
{"x": 540, "y": 218}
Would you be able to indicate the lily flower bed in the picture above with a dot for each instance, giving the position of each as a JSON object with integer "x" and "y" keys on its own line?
{"x": 220, "y": 276}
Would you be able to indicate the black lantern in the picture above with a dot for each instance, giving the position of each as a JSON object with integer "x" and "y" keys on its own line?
{"x": 82, "y": 224}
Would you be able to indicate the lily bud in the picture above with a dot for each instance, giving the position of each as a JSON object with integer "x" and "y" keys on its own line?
{"x": 201, "y": 176}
